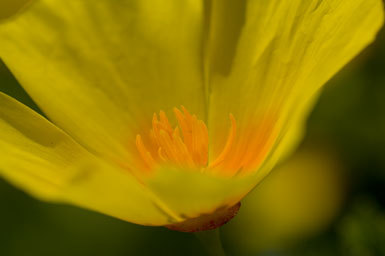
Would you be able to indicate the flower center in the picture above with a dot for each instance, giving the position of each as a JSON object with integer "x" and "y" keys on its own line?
{"x": 185, "y": 145}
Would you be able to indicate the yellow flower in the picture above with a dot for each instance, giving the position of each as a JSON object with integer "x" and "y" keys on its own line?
{"x": 167, "y": 111}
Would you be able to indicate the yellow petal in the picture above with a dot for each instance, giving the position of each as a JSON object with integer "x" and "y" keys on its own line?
{"x": 115, "y": 192}
{"x": 42, "y": 160}
{"x": 34, "y": 154}
{"x": 190, "y": 193}
{"x": 277, "y": 56}
{"x": 99, "y": 70}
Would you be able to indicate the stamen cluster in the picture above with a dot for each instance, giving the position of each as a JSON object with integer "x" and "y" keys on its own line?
{"x": 185, "y": 145}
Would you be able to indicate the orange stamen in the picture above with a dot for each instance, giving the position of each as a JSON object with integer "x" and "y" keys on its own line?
{"x": 184, "y": 145}
{"x": 187, "y": 145}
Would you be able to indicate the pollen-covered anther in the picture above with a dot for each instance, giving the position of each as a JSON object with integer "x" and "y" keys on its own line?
{"x": 185, "y": 145}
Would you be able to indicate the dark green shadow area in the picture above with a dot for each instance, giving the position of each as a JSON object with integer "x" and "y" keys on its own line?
{"x": 10, "y": 86}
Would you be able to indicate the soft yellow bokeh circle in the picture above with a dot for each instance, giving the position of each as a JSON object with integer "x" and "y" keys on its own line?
{"x": 299, "y": 199}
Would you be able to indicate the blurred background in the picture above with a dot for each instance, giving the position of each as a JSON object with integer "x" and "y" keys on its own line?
{"x": 327, "y": 199}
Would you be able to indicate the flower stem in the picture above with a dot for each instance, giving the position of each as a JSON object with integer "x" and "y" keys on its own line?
{"x": 212, "y": 242}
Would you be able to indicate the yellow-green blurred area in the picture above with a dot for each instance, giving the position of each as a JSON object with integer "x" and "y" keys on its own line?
{"x": 326, "y": 199}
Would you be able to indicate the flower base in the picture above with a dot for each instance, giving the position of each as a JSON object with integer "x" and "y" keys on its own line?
{"x": 207, "y": 221}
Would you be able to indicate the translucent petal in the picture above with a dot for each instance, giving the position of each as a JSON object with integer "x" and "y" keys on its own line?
{"x": 277, "y": 56}
{"x": 42, "y": 160}
{"x": 191, "y": 193}
{"x": 100, "y": 69}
